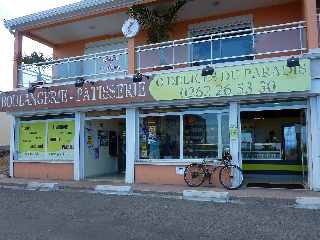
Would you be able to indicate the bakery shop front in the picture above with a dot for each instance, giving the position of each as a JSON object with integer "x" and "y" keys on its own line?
{"x": 147, "y": 131}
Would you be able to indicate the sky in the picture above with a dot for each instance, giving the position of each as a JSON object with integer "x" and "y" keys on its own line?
{"x": 16, "y": 8}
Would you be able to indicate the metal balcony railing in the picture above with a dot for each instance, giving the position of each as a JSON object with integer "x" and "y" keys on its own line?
{"x": 104, "y": 65}
{"x": 318, "y": 20}
{"x": 244, "y": 44}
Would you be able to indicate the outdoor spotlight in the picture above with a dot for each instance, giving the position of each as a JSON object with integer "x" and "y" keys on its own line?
{"x": 293, "y": 62}
{"x": 91, "y": 82}
{"x": 207, "y": 71}
{"x": 45, "y": 88}
{"x": 31, "y": 89}
{"x": 137, "y": 77}
{"x": 37, "y": 83}
{"x": 79, "y": 82}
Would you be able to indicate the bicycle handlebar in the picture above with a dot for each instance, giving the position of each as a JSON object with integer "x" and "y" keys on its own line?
{"x": 226, "y": 158}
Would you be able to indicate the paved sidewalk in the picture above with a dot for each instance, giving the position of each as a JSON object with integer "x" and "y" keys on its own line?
{"x": 167, "y": 189}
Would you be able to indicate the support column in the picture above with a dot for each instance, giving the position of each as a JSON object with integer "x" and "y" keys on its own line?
{"x": 17, "y": 54}
{"x": 131, "y": 56}
{"x": 78, "y": 165}
{"x": 12, "y": 144}
{"x": 314, "y": 143}
{"x": 310, "y": 16}
{"x": 132, "y": 141}
{"x": 220, "y": 152}
{"x": 234, "y": 127}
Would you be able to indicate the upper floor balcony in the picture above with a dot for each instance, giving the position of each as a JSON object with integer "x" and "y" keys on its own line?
{"x": 242, "y": 44}
{"x": 87, "y": 49}
{"x": 102, "y": 65}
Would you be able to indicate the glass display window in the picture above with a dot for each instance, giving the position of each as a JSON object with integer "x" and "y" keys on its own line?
{"x": 160, "y": 137}
{"x": 203, "y": 136}
{"x": 184, "y": 135}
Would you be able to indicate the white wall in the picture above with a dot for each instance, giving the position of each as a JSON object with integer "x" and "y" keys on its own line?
{"x": 105, "y": 164}
{"x": 4, "y": 129}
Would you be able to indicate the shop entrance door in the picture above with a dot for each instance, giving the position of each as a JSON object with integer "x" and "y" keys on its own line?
{"x": 105, "y": 149}
{"x": 273, "y": 147}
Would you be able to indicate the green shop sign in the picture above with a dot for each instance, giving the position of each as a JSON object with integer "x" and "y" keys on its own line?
{"x": 251, "y": 79}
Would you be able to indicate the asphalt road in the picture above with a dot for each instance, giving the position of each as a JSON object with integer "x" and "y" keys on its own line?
{"x": 75, "y": 215}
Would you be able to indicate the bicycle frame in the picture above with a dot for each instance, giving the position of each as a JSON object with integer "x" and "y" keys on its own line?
{"x": 210, "y": 169}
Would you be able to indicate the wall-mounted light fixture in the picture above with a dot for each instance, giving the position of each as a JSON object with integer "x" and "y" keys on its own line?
{"x": 79, "y": 83}
{"x": 207, "y": 71}
{"x": 37, "y": 83}
{"x": 91, "y": 82}
{"x": 138, "y": 77}
{"x": 45, "y": 88}
{"x": 31, "y": 89}
{"x": 293, "y": 62}
{"x": 34, "y": 85}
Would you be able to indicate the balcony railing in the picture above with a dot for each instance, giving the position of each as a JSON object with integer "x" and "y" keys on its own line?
{"x": 104, "y": 65}
{"x": 244, "y": 44}
{"x": 318, "y": 20}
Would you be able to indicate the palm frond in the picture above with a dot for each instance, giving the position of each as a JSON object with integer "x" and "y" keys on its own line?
{"x": 157, "y": 22}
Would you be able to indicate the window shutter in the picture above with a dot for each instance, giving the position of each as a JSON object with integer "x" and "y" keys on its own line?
{"x": 221, "y": 25}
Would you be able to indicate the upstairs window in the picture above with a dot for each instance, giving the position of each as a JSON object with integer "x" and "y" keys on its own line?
{"x": 223, "y": 40}
{"x": 108, "y": 56}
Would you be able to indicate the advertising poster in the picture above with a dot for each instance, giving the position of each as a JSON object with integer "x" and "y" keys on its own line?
{"x": 61, "y": 140}
{"x": 32, "y": 141}
{"x": 92, "y": 139}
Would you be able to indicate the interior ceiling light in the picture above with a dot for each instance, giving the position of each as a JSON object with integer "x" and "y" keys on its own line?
{"x": 215, "y": 3}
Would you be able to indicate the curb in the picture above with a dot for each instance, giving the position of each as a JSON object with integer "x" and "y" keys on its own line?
{"x": 308, "y": 202}
{"x": 195, "y": 195}
{"x": 113, "y": 190}
{"x": 42, "y": 186}
{"x": 208, "y": 196}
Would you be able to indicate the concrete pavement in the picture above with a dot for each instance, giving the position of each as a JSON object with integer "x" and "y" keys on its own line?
{"x": 76, "y": 215}
{"x": 164, "y": 189}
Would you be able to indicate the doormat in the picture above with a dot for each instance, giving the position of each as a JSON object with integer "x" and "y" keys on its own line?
{"x": 276, "y": 185}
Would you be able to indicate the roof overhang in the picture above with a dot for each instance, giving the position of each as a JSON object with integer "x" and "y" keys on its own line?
{"x": 67, "y": 12}
{"x": 98, "y": 19}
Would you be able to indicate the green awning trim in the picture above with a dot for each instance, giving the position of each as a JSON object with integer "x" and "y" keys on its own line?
{"x": 272, "y": 167}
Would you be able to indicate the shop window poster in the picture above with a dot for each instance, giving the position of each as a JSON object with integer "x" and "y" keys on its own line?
{"x": 61, "y": 140}
{"x": 32, "y": 141}
{"x": 154, "y": 143}
{"x": 92, "y": 140}
{"x": 103, "y": 138}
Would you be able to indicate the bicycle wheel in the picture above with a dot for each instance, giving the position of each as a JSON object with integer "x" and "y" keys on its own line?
{"x": 231, "y": 177}
{"x": 194, "y": 175}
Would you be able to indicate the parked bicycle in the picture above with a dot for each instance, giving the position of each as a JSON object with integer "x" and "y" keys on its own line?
{"x": 230, "y": 175}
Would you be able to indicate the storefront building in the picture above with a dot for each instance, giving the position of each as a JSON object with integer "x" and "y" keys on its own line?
{"x": 226, "y": 82}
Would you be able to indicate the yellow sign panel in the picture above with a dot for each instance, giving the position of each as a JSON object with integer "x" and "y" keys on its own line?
{"x": 61, "y": 140}
{"x": 32, "y": 141}
{"x": 242, "y": 80}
